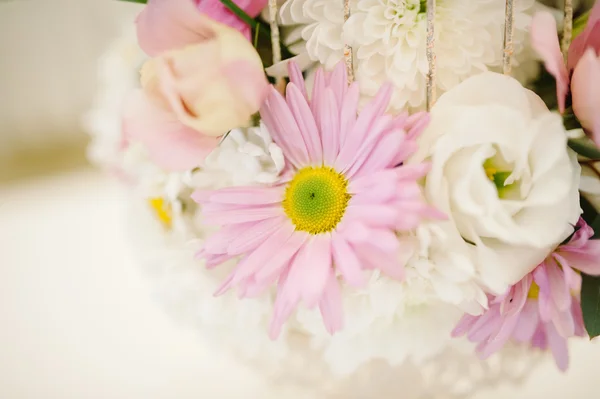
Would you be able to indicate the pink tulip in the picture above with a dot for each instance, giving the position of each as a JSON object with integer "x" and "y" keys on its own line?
{"x": 168, "y": 24}
{"x": 195, "y": 94}
{"x": 583, "y": 62}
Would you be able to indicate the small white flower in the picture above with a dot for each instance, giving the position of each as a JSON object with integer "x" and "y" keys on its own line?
{"x": 446, "y": 262}
{"x": 244, "y": 157}
{"x": 389, "y": 40}
{"x": 502, "y": 172}
{"x": 387, "y": 320}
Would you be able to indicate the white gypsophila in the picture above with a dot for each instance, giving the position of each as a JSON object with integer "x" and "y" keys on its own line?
{"x": 186, "y": 289}
{"x": 502, "y": 172}
{"x": 117, "y": 76}
{"x": 442, "y": 259}
{"x": 389, "y": 40}
{"x": 387, "y": 320}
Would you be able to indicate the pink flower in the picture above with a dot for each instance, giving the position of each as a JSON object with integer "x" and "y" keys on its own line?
{"x": 186, "y": 102}
{"x": 337, "y": 205}
{"x": 583, "y": 64}
{"x": 168, "y": 24}
{"x": 542, "y": 309}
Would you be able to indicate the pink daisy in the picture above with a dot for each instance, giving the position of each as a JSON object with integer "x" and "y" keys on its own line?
{"x": 543, "y": 309}
{"x": 338, "y": 204}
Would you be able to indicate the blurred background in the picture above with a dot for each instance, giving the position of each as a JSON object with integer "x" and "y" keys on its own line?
{"x": 76, "y": 316}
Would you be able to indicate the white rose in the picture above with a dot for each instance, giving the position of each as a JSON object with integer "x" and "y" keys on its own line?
{"x": 503, "y": 173}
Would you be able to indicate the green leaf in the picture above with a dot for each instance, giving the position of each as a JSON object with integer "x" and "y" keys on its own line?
{"x": 241, "y": 14}
{"x": 135, "y": 1}
{"x": 585, "y": 148}
{"x": 580, "y": 23}
{"x": 590, "y": 304}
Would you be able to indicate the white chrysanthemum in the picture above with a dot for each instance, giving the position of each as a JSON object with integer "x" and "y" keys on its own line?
{"x": 443, "y": 260}
{"x": 389, "y": 41}
{"x": 387, "y": 320}
{"x": 244, "y": 157}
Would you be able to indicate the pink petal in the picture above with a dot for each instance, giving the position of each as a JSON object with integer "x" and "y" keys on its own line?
{"x": 374, "y": 215}
{"x": 317, "y": 97}
{"x": 219, "y": 12}
{"x": 416, "y": 123}
{"x": 280, "y": 121}
{"x": 544, "y": 40}
{"x": 585, "y": 89}
{"x": 283, "y": 256}
{"x": 348, "y": 112}
{"x": 338, "y": 82}
{"x": 528, "y": 323}
{"x": 306, "y": 123}
{"x": 168, "y": 24}
{"x": 563, "y": 322}
{"x": 261, "y": 255}
{"x": 242, "y": 215}
{"x": 296, "y": 78}
{"x": 218, "y": 242}
{"x": 464, "y": 325}
{"x": 559, "y": 290}
{"x": 347, "y": 262}
{"x": 382, "y": 156}
{"x": 252, "y": 237}
{"x": 515, "y": 301}
{"x": 169, "y": 143}
{"x": 374, "y": 258}
{"x": 310, "y": 270}
{"x": 589, "y": 38}
{"x": 485, "y": 326}
{"x": 498, "y": 340}
{"x": 363, "y": 127}
{"x": 330, "y": 127}
{"x": 578, "y": 318}
{"x": 331, "y": 305}
{"x": 559, "y": 348}
{"x": 586, "y": 259}
{"x": 248, "y": 195}
{"x": 283, "y": 307}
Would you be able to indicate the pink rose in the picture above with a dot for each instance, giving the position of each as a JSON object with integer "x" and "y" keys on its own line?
{"x": 583, "y": 62}
{"x": 193, "y": 95}
{"x": 167, "y": 24}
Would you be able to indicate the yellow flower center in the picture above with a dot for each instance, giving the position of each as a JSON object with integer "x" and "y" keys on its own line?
{"x": 162, "y": 210}
{"x": 534, "y": 291}
{"x": 498, "y": 177}
{"x": 316, "y": 199}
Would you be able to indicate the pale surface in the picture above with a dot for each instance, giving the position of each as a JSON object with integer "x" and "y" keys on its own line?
{"x": 78, "y": 320}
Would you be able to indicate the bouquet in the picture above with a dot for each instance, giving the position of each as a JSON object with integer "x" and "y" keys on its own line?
{"x": 365, "y": 194}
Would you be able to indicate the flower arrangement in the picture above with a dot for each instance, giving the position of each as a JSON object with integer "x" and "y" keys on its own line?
{"x": 378, "y": 178}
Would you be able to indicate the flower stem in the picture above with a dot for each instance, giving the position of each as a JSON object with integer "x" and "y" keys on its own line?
{"x": 431, "y": 84}
{"x": 568, "y": 28}
{"x": 509, "y": 19}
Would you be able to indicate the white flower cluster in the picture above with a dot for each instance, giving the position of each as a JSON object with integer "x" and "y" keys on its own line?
{"x": 389, "y": 39}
